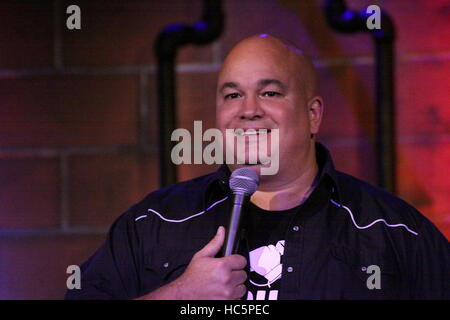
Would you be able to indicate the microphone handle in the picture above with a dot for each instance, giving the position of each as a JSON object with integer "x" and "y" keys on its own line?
{"x": 231, "y": 239}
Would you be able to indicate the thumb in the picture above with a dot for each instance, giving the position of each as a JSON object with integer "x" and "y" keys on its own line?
{"x": 214, "y": 246}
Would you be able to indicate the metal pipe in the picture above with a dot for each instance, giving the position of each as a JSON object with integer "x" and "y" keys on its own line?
{"x": 341, "y": 19}
{"x": 167, "y": 43}
{"x": 386, "y": 137}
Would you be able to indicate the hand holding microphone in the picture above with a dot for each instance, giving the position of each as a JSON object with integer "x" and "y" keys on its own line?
{"x": 206, "y": 276}
{"x": 224, "y": 278}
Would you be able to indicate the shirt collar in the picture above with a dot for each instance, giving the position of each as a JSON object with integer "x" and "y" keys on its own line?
{"x": 327, "y": 170}
{"x": 218, "y": 186}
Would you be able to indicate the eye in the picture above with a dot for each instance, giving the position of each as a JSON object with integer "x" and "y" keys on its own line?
{"x": 271, "y": 94}
{"x": 233, "y": 95}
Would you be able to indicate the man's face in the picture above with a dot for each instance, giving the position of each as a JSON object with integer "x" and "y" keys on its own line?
{"x": 261, "y": 87}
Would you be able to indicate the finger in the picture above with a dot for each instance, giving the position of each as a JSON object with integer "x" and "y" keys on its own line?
{"x": 236, "y": 261}
{"x": 240, "y": 291}
{"x": 214, "y": 246}
{"x": 238, "y": 277}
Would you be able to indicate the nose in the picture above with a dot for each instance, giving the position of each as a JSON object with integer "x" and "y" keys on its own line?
{"x": 251, "y": 109}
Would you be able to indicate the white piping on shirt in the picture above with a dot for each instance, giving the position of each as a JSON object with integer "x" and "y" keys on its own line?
{"x": 371, "y": 224}
{"x": 140, "y": 217}
{"x": 181, "y": 220}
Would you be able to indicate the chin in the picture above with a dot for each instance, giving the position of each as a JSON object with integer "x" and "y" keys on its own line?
{"x": 254, "y": 166}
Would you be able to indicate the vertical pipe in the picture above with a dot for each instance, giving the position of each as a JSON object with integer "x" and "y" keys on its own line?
{"x": 385, "y": 145}
{"x": 166, "y": 116}
{"x": 166, "y": 46}
{"x": 341, "y": 19}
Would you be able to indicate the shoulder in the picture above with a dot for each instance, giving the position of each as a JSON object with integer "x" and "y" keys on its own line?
{"x": 354, "y": 189}
{"x": 190, "y": 189}
{"x": 174, "y": 201}
{"x": 372, "y": 204}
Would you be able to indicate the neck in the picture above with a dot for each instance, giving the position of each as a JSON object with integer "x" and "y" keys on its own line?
{"x": 283, "y": 194}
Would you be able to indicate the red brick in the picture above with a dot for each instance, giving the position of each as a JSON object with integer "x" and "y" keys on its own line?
{"x": 354, "y": 158}
{"x": 190, "y": 171}
{"x": 30, "y": 193}
{"x": 123, "y": 33}
{"x": 196, "y": 99}
{"x": 304, "y": 23}
{"x": 103, "y": 186}
{"x": 56, "y": 111}
{"x": 421, "y": 25}
{"x": 35, "y": 267}
{"x": 423, "y": 179}
{"x": 422, "y": 99}
{"x": 348, "y": 97}
{"x": 301, "y": 22}
{"x": 26, "y": 34}
{"x": 152, "y": 117}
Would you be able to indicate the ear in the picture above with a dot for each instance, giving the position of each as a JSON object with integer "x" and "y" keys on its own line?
{"x": 315, "y": 111}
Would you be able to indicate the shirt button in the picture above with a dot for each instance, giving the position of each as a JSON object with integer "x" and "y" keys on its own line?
{"x": 295, "y": 228}
{"x": 166, "y": 264}
{"x": 290, "y": 269}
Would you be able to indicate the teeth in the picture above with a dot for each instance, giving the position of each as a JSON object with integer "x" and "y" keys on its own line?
{"x": 249, "y": 132}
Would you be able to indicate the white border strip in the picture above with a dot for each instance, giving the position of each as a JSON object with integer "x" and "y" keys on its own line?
{"x": 371, "y": 224}
{"x": 182, "y": 220}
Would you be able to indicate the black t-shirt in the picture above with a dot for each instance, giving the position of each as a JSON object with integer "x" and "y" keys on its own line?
{"x": 263, "y": 244}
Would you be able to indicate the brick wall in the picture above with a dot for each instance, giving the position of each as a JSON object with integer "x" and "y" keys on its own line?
{"x": 78, "y": 125}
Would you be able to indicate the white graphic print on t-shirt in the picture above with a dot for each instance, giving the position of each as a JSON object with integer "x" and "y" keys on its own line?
{"x": 266, "y": 261}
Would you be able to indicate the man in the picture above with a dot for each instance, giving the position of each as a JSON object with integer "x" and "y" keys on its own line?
{"x": 310, "y": 232}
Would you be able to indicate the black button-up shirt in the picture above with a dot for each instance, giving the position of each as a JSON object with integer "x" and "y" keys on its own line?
{"x": 346, "y": 235}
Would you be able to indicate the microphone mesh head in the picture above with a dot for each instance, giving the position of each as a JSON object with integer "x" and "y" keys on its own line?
{"x": 244, "y": 181}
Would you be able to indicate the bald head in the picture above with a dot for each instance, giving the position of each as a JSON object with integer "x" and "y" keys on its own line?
{"x": 277, "y": 52}
{"x": 268, "y": 83}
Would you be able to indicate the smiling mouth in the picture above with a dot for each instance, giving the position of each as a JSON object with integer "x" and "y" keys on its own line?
{"x": 251, "y": 132}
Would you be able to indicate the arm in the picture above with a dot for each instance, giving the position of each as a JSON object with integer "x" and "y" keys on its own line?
{"x": 432, "y": 264}
{"x": 110, "y": 273}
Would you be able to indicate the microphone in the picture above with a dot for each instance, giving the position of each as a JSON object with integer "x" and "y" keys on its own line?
{"x": 243, "y": 183}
